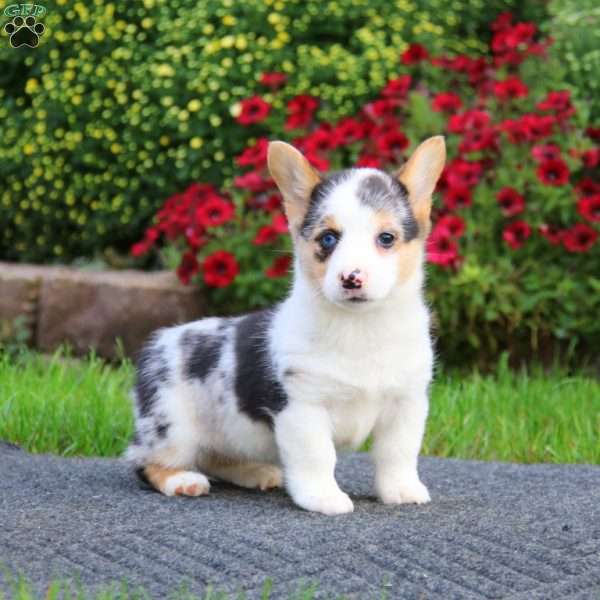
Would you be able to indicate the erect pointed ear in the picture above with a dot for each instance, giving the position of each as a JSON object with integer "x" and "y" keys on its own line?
{"x": 294, "y": 177}
{"x": 420, "y": 174}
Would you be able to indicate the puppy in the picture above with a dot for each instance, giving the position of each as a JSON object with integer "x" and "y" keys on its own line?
{"x": 266, "y": 398}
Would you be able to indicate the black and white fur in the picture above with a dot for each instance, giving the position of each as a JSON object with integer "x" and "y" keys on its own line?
{"x": 266, "y": 398}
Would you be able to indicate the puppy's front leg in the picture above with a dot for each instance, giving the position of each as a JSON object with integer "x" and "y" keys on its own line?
{"x": 398, "y": 435}
{"x": 304, "y": 437}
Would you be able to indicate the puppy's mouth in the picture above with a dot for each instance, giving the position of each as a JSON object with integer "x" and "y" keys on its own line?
{"x": 357, "y": 299}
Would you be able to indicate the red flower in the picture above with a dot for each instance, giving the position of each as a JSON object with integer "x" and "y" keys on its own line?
{"x": 254, "y": 110}
{"x": 516, "y": 234}
{"x": 319, "y": 141}
{"x": 279, "y": 267}
{"x": 253, "y": 181}
{"x": 462, "y": 173}
{"x": 267, "y": 234}
{"x": 553, "y": 172}
{"x": 529, "y": 127}
{"x": 348, "y": 130}
{"x": 446, "y": 102}
{"x": 544, "y": 152}
{"x": 551, "y": 233}
{"x": 471, "y": 119}
{"x": 589, "y": 208}
{"x": 188, "y": 267}
{"x": 502, "y": 22}
{"x": 587, "y": 187}
{"x": 279, "y": 223}
{"x": 558, "y": 103}
{"x": 194, "y": 236}
{"x": 458, "y": 197}
{"x": 414, "y": 54}
{"x": 383, "y": 108}
{"x": 318, "y": 162}
{"x": 214, "y": 212}
{"x": 301, "y": 110}
{"x": 391, "y": 143}
{"x": 510, "y": 89}
{"x": 220, "y": 269}
{"x": 579, "y": 238}
{"x": 591, "y": 157}
{"x": 453, "y": 224}
{"x": 273, "y": 80}
{"x": 256, "y": 155}
{"x": 478, "y": 140}
{"x": 442, "y": 249}
{"x": 368, "y": 160}
{"x": 593, "y": 132}
{"x": 397, "y": 88}
{"x": 510, "y": 201}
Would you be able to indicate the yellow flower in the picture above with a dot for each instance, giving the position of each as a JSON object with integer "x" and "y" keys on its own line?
{"x": 165, "y": 70}
{"x": 196, "y": 143}
{"x": 229, "y": 20}
{"x": 194, "y": 105}
{"x": 31, "y": 86}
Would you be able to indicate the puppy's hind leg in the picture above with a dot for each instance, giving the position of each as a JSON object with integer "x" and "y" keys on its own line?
{"x": 253, "y": 475}
{"x": 175, "y": 482}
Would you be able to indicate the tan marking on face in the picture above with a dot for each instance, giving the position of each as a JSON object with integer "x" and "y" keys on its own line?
{"x": 386, "y": 222}
{"x": 409, "y": 258}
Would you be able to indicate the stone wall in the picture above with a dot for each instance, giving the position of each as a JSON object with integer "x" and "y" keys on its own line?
{"x": 93, "y": 309}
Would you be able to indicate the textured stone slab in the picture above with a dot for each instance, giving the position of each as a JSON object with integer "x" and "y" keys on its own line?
{"x": 492, "y": 531}
{"x": 92, "y": 309}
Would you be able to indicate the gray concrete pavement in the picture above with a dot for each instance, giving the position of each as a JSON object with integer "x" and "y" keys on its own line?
{"x": 492, "y": 531}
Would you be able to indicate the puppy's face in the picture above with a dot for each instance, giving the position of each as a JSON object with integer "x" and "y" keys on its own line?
{"x": 358, "y": 234}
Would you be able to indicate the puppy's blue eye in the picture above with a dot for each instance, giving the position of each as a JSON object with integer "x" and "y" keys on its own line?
{"x": 386, "y": 240}
{"x": 328, "y": 240}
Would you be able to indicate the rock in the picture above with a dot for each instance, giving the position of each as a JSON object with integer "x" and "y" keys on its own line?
{"x": 92, "y": 309}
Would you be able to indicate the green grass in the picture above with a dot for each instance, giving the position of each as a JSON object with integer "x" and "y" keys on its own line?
{"x": 73, "y": 407}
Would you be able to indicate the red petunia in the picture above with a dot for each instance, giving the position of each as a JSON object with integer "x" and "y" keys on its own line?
{"x": 279, "y": 223}
{"x": 593, "y": 132}
{"x": 462, "y": 173}
{"x": 384, "y": 108}
{"x": 397, "y": 88}
{"x": 510, "y": 201}
{"x": 442, "y": 249}
{"x": 214, "y": 212}
{"x": 591, "y": 157}
{"x": 552, "y": 233}
{"x": 195, "y": 236}
{"x": 348, "y": 130}
{"x": 368, "y": 160}
{"x": 188, "y": 267}
{"x": 318, "y": 162}
{"x": 510, "y": 89}
{"x": 391, "y": 143}
{"x": 279, "y": 267}
{"x": 478, "y": 140}
{"x": 267, "y": 234}
{"x": 516, "y": 234}
{"x": 255, "y": 155}
{"x": 254, "y": 182}
{"x": 414, "y": 54}
{"x": 469, "y": 120}
{"x": 220, "y": 269}
{"x": 579, "y": 238}
{"x": 589, "y": 208}
{"x": 320, "y": 140}
{"x": 558, "y": 102}
{"x": 273, "y": 80}
{"x": 553, "y": 172}
{"x": 446, "y": 102}
{"x": 453, "y": 224}
{"x": 254, "y": 110}
{"x": 301, "y": 110}
{"x": 458, "y": 197}
{"x": 544, "y": 152}
{"x": 587, "y": 187}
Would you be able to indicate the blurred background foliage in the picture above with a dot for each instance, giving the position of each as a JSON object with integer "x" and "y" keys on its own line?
{"x": 124, "y": 103}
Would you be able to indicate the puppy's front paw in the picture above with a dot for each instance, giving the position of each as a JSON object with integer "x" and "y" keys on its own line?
{"x": 406, "y": 492}
{"x": 332, "y": 503}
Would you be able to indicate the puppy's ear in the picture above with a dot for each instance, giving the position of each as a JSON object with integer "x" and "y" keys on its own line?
{"x": 294, "y": 177}
{"x": 420, "y": 174}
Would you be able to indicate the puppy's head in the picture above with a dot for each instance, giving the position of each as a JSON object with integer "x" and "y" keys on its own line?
{"x": 359, "y": 233}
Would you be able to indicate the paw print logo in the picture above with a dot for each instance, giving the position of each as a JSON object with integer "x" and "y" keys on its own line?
{"x": 24, "y": 32}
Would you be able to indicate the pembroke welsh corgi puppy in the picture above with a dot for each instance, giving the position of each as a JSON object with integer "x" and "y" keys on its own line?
{"x": 266, "y": 399}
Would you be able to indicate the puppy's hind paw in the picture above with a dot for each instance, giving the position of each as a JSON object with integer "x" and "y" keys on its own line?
{"x": 186, "y": 483}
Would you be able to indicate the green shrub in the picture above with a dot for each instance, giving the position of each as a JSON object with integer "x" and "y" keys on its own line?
{"x": 575, "y": 27}
{"x": 515, "y": 246}
{"x": 122, "y": 103}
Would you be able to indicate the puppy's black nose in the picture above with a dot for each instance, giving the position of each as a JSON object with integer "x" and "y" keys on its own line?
{"x": 352, "y": 281}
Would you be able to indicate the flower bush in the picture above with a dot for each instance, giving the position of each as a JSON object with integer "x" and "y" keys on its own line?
{"x": 514, "y": 253}
{"x": 123, "y": 103}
